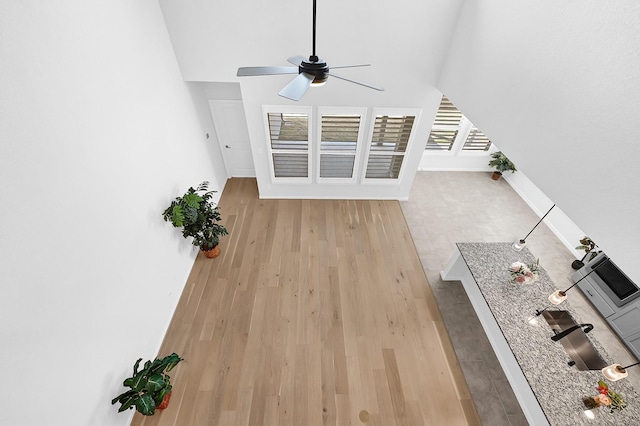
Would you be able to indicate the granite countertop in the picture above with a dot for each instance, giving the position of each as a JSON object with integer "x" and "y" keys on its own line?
{"x": 558, "y": 387}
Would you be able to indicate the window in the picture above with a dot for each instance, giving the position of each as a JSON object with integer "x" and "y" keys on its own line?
{"x": 340, "y": 136}
{"x": 289, "y": 144}
{"x": 476, "y": 141}
{"x": 445, "y": 127}
{"x": 453, "y": 133}
{"x": 389, "y": 141}
{"x": 329, "y": 144}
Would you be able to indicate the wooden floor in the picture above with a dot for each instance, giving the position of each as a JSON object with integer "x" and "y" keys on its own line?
{"x": 317, "y": 312}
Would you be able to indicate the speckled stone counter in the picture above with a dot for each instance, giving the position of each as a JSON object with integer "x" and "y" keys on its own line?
{"x": 558, "y": 388}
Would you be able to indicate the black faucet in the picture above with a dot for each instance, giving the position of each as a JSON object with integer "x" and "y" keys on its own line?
{"x": 587, "y": 328}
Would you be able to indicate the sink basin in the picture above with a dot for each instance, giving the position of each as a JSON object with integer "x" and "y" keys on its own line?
{"x": 575, "y": 344}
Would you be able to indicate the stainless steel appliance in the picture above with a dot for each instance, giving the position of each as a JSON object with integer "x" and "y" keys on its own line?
{"x": 611, "y": 280}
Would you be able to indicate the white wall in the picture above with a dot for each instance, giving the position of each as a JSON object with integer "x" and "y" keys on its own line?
{"x": 556, "y": 85}
{"x": 557, "y": 220}
{"x": 98, "y": 133}
{"x": 255, "y": 94}
{"x": 222, "y": 91}
{"x": 436, "y": 161}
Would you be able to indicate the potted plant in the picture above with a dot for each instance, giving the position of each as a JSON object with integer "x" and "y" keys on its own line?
{"x": 199, "y": 218}
{"x": 590, "y": 249}
{"x": 502, "y": 164}
{"x": 150, "y": 388}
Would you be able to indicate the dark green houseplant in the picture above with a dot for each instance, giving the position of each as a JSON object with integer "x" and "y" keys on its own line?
{"x": 590, "y": 249}
{"x": 149, "y": 386}
{"x": 199, "y": 218}
{"x": 502, "y": 164}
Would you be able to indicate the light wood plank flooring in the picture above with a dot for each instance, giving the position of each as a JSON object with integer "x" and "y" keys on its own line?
{"x": 317, "y": 312}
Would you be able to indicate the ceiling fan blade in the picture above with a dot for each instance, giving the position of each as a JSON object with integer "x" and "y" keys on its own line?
{"x": 297, "y": 87}
{"x": 357, "y": 82}
{"x": 352, "y": 66}
{"x": 253, "y": 71}
{"x": 296, "y": 60}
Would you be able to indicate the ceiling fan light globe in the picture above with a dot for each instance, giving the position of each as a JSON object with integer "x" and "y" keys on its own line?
{"x": 319, "y": 81}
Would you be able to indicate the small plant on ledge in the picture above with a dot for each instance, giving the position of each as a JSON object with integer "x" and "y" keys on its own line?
{"x": 590, "y": 249}
{"x": 502, "y": 164}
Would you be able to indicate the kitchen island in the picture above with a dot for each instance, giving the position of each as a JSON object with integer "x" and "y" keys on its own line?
{"x": 548, "y": 389}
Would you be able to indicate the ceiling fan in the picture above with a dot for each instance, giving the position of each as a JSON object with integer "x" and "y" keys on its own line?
{"x": 312, "y": 71}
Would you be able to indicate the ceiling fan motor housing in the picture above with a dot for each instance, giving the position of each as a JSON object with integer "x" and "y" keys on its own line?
{"x": 317, "y": 67}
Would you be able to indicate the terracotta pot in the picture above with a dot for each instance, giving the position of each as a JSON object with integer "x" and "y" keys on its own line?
{"x": 213, "y": 253}
{"x": 165, "y": 402}
{"x": 496, "y": 175}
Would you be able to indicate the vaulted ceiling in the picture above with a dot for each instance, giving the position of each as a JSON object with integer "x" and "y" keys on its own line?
{"x": 405, "y": 41}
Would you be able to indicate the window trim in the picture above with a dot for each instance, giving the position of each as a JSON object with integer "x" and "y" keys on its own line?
{"x": 285, "y": 109}
{"x": 473, "y": 152}
{"x": 465, "y": 126}
{"x": 445, "y": 109}
{"x": 321, "y": 110}
{"x": 375, "y": 112}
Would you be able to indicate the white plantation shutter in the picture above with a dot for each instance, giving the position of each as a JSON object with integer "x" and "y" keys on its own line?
{"x": 339, "y": 145}
{"x": 329, "y": 145}
{"x": 289, "y": 144}
{"x": 476, "y": 141}
{"x": 389, "y": 141}
{"x": 453, "y": 132}
{"x": 445, "y": 127}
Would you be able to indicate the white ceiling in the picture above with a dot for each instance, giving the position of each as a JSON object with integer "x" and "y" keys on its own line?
{"x": 405, "y": 40}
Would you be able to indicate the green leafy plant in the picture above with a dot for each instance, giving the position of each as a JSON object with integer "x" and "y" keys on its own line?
{"x": 590, "y": 250}
{"x": 589, "y": 247}
{"x": 501, "y": 163}
{"x": 198, "y": 216}
{"x": 148, "y": 386}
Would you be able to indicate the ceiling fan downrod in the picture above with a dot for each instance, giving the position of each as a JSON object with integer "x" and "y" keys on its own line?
{"x": 313, "y": 57}
{"x": 315, "y": 66}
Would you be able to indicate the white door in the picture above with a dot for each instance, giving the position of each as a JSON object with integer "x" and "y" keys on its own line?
{"x": 233, "y": 136}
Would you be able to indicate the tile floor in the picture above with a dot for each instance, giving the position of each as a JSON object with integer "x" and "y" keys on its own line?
{"x": 449, "y": 207}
